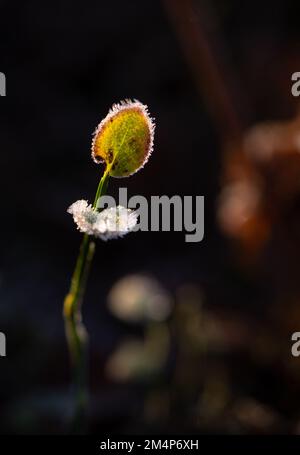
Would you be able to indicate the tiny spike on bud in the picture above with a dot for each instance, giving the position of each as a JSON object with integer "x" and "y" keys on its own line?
{"x": 124, "y": 138}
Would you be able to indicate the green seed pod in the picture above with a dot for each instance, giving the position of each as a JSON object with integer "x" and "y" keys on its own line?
{"x": 124, "y": 139}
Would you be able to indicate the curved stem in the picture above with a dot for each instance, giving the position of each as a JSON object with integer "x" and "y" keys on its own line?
{"x": 101, "y": 187}
{"x": 75, "y": 331}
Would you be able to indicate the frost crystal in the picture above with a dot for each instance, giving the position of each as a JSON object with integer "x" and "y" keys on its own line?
{"x": 109, "y": 224}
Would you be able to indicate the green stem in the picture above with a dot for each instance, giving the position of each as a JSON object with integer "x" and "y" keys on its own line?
{"x": 75, "y": 331}
{"x": 101, "y": 187}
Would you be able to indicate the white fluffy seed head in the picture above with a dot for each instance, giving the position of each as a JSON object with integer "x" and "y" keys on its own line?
{"x": 109, "y": 224}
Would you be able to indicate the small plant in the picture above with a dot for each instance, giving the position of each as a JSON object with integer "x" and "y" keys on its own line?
{"x": 123, "y": 141}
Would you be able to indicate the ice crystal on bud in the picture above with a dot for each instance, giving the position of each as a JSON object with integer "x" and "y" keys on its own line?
{"x": 83, "y": 215}
{"x": 109, "y": 224}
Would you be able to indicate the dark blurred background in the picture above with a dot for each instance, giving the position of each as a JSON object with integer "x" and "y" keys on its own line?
{"x": 217, "y": 78}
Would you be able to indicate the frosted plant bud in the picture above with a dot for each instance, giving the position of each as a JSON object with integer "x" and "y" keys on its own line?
{"x": 109, "y": 224}
{"x": 124, "y": 138}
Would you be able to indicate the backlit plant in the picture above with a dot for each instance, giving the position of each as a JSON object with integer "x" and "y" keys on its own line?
{"x": 123, "y": 141}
